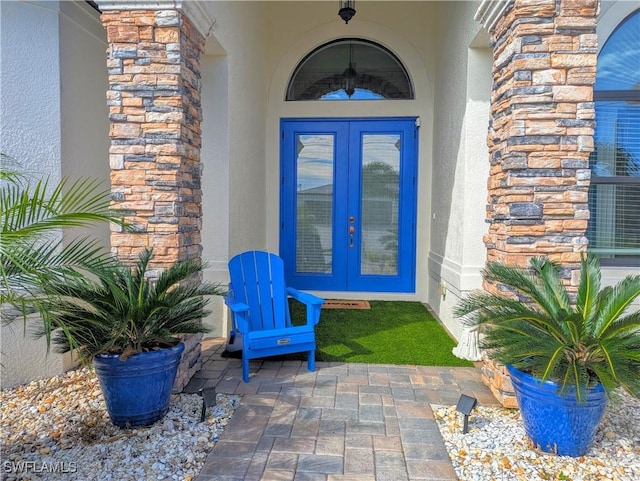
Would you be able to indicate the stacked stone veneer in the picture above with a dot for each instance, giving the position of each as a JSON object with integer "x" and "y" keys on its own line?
{"x": 540, "y": 138}
{"x": 153, "y": 61}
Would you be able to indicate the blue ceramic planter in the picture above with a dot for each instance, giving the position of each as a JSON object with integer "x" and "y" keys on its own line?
{"x": 557, "y": 423}
{"x": 137, "y": 391}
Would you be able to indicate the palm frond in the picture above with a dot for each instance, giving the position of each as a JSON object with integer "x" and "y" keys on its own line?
{"x": 627, "y": 325}
{"x": 614, "y": 302}
{"x": 523, "y": 281}
{"x": 10, "y": 170}
{"x": 551, "y": 285}
{"x": 588, "y": 289}
{"x": 31, "y": 209}
{"x": 492, "y": 309}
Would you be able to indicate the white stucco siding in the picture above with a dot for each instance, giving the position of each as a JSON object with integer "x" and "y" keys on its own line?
{"x": 30, "y": 134}
{"x": 450, "y": 147}
{"x": 215, "y": 179}
{"x": 477, "y": 160}
{"x": 30, "y": 82}
{"x": 239, "y": 33}
{"x": 84, "y": 115}
{"x": 460, "y": 167}
{"x": 215, "y": 160}
{"x": 234, "y": 85}
{"x": 54, "y": 122}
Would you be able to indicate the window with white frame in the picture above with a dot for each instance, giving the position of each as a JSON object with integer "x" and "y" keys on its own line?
{"x": 614, "y": 195}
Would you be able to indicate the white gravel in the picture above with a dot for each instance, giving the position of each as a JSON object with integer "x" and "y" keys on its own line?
{"x": 58, "y": 429}
{"x": 497, "y": 449}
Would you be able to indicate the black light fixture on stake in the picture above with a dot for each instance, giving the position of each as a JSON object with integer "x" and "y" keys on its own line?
{"x": 347, "y": 10}
{"x": 208, "y": 395}
{"x": 465, "y": 406}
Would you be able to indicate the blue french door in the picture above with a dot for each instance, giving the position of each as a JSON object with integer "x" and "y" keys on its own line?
{"x": 348, "y": 203}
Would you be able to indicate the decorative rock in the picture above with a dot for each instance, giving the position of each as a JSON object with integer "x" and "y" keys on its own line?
{"x": 74, "y": 439}
{"x": 496, "y": 446}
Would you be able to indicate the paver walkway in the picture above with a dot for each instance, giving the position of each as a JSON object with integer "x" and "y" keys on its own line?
{"x": 344, "y": 422}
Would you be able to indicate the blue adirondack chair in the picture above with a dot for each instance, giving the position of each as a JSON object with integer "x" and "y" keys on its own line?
{"x": 258, "y": 300}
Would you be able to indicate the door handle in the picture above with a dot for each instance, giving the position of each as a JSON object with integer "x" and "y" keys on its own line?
{"x": 352, "y": 231}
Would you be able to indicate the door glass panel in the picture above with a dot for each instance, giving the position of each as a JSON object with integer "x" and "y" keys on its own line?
{"x": 380, "y": 206}
{"x": 314, "y": 199}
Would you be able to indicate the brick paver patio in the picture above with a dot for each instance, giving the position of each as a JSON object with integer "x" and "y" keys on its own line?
{"x": 344, "y": 422}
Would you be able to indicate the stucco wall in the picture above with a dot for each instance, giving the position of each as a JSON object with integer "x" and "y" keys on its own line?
{"x": 460, "y": 167}
{"x": 84, "y": 116}
{"x": 52, "y": 122}
{"x": 234, "y": 85}
{"x": 30, "y": 114}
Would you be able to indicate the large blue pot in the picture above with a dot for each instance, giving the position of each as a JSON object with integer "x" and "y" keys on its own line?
{"x": 137, "y": 391}
{"x": 557, "y": 423}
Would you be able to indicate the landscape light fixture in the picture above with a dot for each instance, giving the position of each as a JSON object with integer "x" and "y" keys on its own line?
{"x": 208, "y": 395}
{"x": 347, "y": 10}
{"x": 465, "y": 406}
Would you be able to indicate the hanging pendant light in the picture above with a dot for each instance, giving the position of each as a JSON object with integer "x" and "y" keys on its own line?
{"x": 350, "y": 74}
{"x": 347, "y": 10}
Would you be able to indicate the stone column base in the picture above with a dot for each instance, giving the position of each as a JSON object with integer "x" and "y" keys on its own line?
{"x": 191, "y": 361}
{"x": 496, "y": 377}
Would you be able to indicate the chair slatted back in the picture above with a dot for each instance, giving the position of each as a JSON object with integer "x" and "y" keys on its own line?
{"x": 257, "y": 279}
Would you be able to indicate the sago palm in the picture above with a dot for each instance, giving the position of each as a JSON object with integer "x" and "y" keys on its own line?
{"x": 538, "y": 328}
{"x": 122, "y": 311}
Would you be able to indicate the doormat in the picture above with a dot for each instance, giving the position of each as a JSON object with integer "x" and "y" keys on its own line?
{"x": 345, "y": 304}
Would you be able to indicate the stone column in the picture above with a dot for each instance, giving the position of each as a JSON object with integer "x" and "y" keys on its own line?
{"x": 154, "y": 108}
{"x": 540, "y": 137}
{"x": 153, "y": 61}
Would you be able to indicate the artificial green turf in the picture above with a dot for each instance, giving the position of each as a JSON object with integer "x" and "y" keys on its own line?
{"x": 391, "y": 332}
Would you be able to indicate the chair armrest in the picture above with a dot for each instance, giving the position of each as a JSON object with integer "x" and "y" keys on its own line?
{"x": 304, "y": 297}
{"x": 313, "y": 303}
{"x": 235, "y": 305}
{"x": 240, "y": 312}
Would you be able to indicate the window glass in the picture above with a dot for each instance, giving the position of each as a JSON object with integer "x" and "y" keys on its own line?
{"x": 315, "y": 160}
{"x": 380, "y": 205}
{"x": 618, "y": 67}
{"x": 350, "y": 69}
{"x": 614, "y": 195}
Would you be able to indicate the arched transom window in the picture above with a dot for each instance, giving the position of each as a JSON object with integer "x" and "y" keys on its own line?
{"x": 614, "y": 195}
{"x": 350, "y": 69}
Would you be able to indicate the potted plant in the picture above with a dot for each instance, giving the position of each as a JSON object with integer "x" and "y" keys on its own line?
{"x": 128, "y": 325}
{"x": 564, "y": 356}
